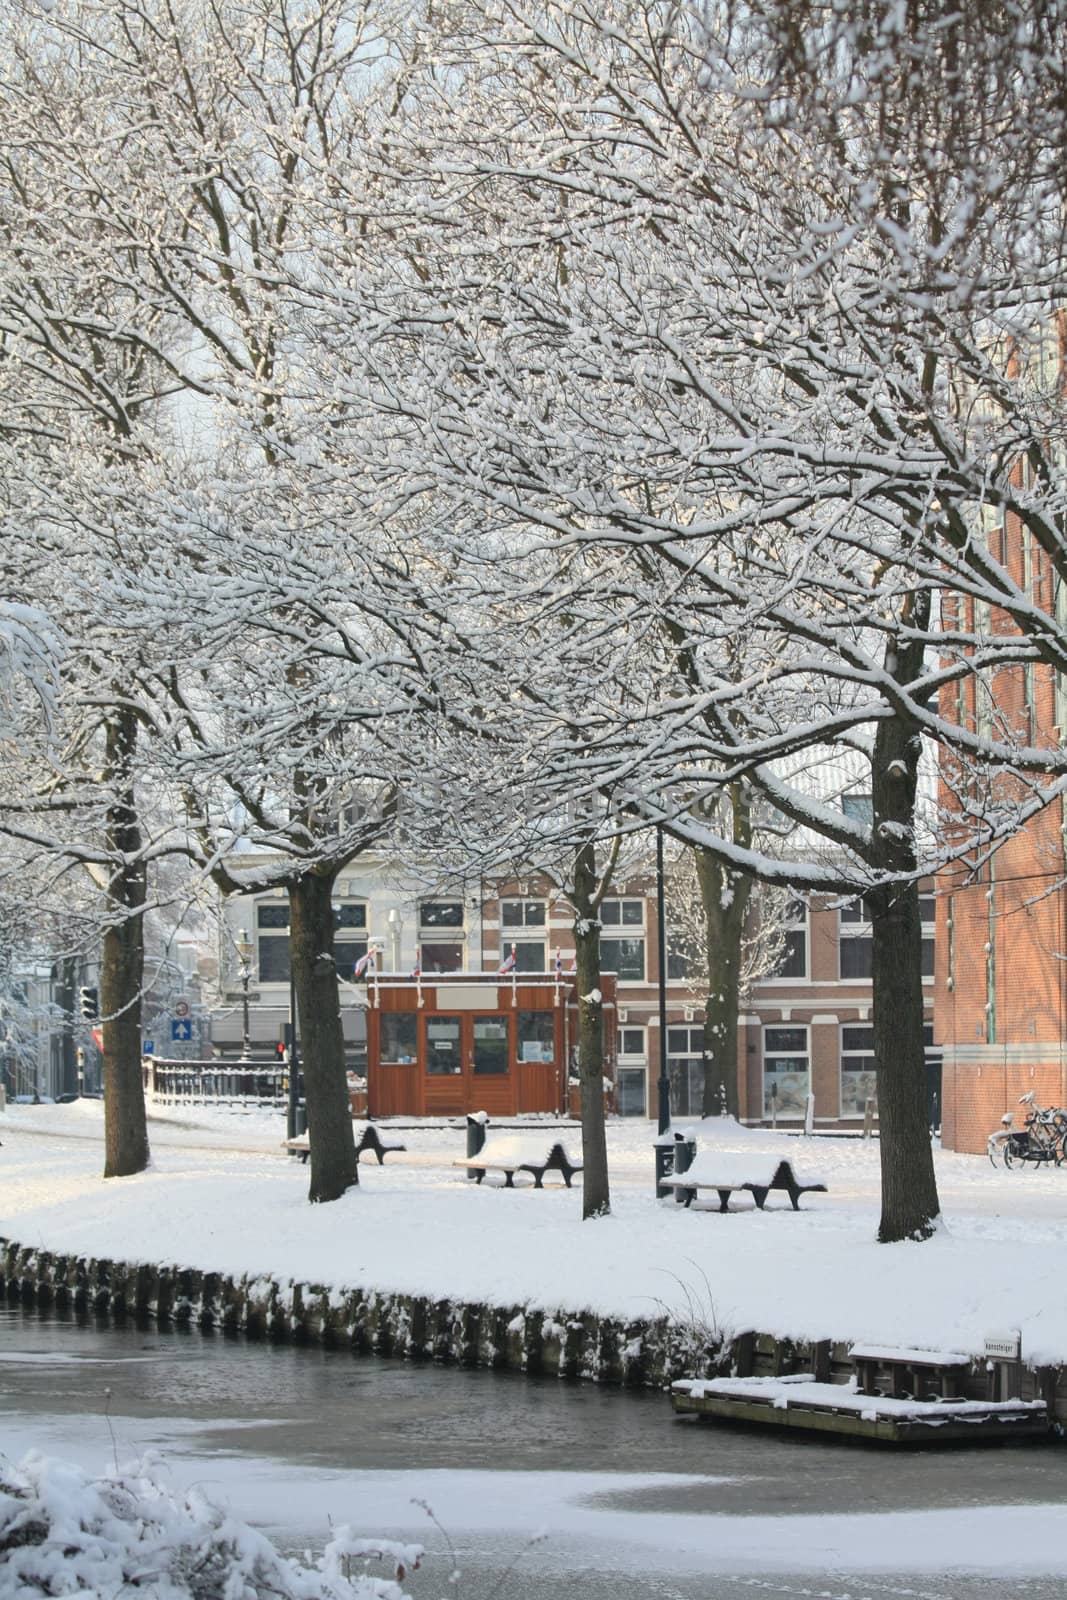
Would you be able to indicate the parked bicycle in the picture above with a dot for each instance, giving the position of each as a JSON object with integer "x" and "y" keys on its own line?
{"x": 1041, "y": 1141}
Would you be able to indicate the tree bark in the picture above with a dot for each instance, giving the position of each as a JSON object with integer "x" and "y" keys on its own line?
{"x": 910, "y": 1203}
{"x": 122, "y": 969}
{"x": 333, "y": 1162}
{"x": 596, "y": 1194}
{"x": 724, "y": 894}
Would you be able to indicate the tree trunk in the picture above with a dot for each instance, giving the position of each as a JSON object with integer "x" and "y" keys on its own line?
{"x": 122, "y": 968}
{"x": 909, "y": 1188}
{"x": 724, "y": 894}
{"x": 596, "y": 1195}
{"x": 333, "y": 1150}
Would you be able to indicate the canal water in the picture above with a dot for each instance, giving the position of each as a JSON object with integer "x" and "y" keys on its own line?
{"x": 532, "y": 1488}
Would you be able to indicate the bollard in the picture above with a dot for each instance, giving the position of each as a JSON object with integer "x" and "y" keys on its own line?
{"x": 685, "y": 1149}
{"x": 477, "y": 1122}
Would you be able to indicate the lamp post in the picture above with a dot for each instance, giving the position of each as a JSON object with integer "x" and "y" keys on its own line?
{"x": 396, "y": 924}
{"x": 244, "y": 954}
{"x": 664, "y": 1103}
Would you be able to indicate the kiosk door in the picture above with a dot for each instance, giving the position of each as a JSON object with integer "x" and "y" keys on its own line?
{"x": 468, "y": 1065}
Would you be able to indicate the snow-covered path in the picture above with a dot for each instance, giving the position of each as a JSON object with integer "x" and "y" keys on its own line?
{"x": 221, "y": 1195}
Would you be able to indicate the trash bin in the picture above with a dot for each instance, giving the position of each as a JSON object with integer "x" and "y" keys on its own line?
{"x": 301, "y": 1119}
{"x": 675, "y": 1150}
{"x": 477, "y": 1122}
{"x": 685, "y": 1149}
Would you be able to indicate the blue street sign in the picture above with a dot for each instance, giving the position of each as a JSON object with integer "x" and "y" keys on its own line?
{"x": 181, "y": 1029}
{"x": 149, "y": 1047}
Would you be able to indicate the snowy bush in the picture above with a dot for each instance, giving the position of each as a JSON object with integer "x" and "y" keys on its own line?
{"x": 63, "y": 1532}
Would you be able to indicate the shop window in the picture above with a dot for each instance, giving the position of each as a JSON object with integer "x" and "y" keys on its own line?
{"x": 785, "y": 1072}
{"x": 536, "y": 1036}
{"x": 858, "y": 1080}
{"x": 631, "y": 1078}
{"x": 399, "y": 1035}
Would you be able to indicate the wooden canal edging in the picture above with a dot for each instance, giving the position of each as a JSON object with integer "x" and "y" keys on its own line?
{"x": 651, "y": 1352}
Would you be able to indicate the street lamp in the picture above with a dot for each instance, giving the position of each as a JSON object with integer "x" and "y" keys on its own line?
{"x": 664, "y": 1086}
{"x": 245, "y": 950}
{"x": 395, "y": 925}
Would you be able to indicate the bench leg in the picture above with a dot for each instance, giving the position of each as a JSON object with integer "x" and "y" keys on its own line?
{"x": 794, "y": 1195}
{"x": 724, "y": 1198}
{"x": 509, "y": 1180}
{"x": 539, "y": 1180}
{"x": 305, "y": 1157}
{"x": 759, "y": 1195}
{"x": 568, "y": 1174}
{"x": 477, "y": 1173}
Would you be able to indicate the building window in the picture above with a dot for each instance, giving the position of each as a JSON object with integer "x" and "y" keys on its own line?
{"x": 856, "y": 944}
{"x": 272, "y": 938}
{"x": 515, "y": 916}
{"x": 685, "y": 1070}
{"x": 683, "y": 955}
{"x": 441, "y": 957}
{"x": 399, "y": 1037}
{"x": 536, "y": 1036}
{"x": 858, "y": 808}
{"x": 794, "y": 959}
{"x": 523, "y": 914}
{"x": 858, "y": 1081}
{"x": 440, "y": 914}
{"x": 785, "y": 1072}
{"x": 623, "y": 952}
{"x": 632, "y": 1073}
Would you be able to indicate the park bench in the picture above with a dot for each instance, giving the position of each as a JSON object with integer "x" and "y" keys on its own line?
{"x": 903, "y": 1374}
{"x": 367, "y": 1138}
{"x": 512, "y": 1153}
{"x": 729, "y": 1172}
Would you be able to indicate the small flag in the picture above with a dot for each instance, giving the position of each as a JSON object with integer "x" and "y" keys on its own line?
{"x": 508, "y": 964}
{"x": 366, "y": 963}
{"x": 573, "y": 968}
{"x": 559, "y": 965}
{"x": 416, "y": 971}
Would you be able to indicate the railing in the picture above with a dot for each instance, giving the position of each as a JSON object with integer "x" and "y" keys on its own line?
{"x": 215, "y": 1082}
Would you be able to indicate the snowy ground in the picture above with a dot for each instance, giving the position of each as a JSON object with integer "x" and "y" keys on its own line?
{"x": 222, "y": 1195}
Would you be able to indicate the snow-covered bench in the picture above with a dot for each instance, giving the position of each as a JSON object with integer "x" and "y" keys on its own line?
{"x": 512, "y": 1153}
{"x": 912, "y": 1374}
{"x": 367, "y": 1138}
{"x": 730, "y": 1171}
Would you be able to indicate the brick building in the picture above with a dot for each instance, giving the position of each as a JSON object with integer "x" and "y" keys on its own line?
{"x": 808, "y": 1028}
{"x": 1001, "y": 980}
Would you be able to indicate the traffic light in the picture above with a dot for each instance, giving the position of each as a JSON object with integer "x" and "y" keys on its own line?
{"x": 89, "y": 1004}
{"x": 280, "y": 1051}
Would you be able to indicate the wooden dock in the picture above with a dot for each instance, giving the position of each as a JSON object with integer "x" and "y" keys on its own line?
{"x": 798, "y": 1401}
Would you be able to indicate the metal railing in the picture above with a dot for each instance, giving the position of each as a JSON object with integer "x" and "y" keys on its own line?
{"x": 215, "y": 1082}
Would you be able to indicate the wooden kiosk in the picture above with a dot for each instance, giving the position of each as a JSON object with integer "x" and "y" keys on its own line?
{"x": 451, "y": 1043}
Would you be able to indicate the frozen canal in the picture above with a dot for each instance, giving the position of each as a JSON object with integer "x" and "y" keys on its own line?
{"x": 628, "y": 1503}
